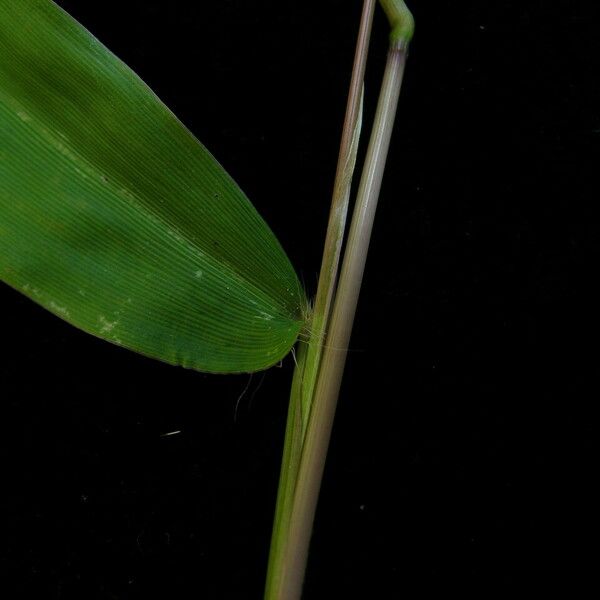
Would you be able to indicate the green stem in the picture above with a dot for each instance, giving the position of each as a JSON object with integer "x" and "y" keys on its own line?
{"x": 309, "y": 354}
{"x": 401, "y": 21}
{"x": 320, "y": 367}
{"x": 318, "y": 433}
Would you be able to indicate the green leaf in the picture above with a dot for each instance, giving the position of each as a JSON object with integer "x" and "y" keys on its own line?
{"x": 116, "y": 219}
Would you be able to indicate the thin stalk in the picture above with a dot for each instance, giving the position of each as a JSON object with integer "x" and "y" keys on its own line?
{"x": 318, "y": 432}
{"x": 320, "y": 365}
{"x": 308, "y": 356}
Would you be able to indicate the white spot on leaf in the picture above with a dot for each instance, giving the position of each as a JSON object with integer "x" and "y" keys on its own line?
{"x": 61, "y": 310}
{"x": 107, "y": 326}
{"x": 30, "y": 290}
{"x": 265, "y": 316}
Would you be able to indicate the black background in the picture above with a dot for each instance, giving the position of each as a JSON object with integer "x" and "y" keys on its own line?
{"x": 462, "y": 459}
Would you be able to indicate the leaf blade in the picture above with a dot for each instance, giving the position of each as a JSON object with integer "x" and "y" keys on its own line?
{"x": 116, "y": 219}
